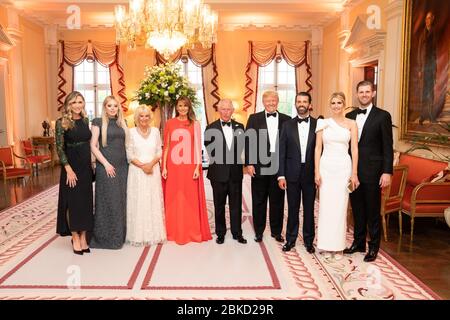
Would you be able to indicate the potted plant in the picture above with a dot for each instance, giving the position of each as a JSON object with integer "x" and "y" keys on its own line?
{"x": 162, "y": 86}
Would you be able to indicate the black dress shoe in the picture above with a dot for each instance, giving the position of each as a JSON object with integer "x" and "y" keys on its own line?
{"x": 87, "y": 250}
{"x": 240, "y": 239}
{"x": 278, "y": 237}
{"x": 310, "y": 249}
{"x": 354, "y": 248}
{"x": 370, "y": 256}
{"x": 79, "y": 252}
{"x": 288, "y": 246}
{"x": 220, "y": 239}
{"x": 258, "y": 238}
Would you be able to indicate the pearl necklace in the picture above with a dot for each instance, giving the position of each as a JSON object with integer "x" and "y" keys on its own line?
{"x": 145, "y": 135}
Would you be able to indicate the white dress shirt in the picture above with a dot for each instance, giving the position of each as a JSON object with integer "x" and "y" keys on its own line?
{"x": 303, "y": 132}
{"x": 228, "y": 133}
{"x": 361, "y": 120}
{"x": 272, "y": 127}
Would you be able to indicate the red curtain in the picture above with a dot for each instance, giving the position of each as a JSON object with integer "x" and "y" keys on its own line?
{"x": 262, "y": 53}
{"x": 73, "y": 53}
{"x": 205, "y": 59}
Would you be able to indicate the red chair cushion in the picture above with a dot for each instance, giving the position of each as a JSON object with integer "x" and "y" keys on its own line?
{"x": 396, "y": 183}
{"x": 27, "y": 147}
{"x": 432, "y": 209}
{"x": 16, "y": 172}
{"x": 38, "y": 159}
{"x": 6, "y": 156}
{"x": 392, "y": 205}
{"x": 420, "y": 169}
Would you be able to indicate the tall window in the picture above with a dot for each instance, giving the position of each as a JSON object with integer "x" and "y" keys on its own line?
{"x": 194, "y": 75}
{"x": 93, "y": 82}
{"x": 280, "y": 77}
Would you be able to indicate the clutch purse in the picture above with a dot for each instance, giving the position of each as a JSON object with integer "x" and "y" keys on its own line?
{"x": 350, "y": 188}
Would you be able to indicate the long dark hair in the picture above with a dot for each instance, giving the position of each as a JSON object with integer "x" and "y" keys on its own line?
{"x": 191, "y": 113}
{"x": 67, "y": 121}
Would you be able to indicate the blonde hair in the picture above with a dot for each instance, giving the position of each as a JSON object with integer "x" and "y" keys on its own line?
{"x": 120, "y": 120}
{"x": 139, "y": 110}
{"x": 67, "y": 121}
{"x": 338, "y": 95}
{"x": 269, "y": 93}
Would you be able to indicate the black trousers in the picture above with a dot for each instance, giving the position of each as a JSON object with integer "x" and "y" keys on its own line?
{"x": 297, "y": 192}
{"x": 366, "y": 205}
{"x": 232, "y": 190}
{"x": 266, "y": 188}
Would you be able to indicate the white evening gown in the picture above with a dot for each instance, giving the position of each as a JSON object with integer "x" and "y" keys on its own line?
{"x": 335, "y": 171}
{"x": 145, "y": 201}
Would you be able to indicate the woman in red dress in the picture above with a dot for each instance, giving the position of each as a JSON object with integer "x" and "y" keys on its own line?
{"x": 184, "y": 192}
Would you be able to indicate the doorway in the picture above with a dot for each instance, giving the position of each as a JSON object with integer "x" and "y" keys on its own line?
{"x": 371, "y": 74}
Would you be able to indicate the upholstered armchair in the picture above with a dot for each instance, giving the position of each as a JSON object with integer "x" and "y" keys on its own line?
{"x": 8, "y": 168}
{"x": 35, "y": 154}
{"x": 424, "y": 197}
{"x": 392, "y": 196}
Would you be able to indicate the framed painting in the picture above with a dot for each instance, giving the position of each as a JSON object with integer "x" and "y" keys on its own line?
{"x": 426, "y": 73}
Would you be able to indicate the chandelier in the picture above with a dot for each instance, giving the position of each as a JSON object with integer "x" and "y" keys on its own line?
{"x": 166, "y": 25}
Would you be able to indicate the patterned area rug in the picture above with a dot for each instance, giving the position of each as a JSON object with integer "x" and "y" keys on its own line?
{"x": 37, "y": 264}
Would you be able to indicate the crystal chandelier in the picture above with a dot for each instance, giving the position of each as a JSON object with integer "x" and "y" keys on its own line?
{"x": 166, "y": 25}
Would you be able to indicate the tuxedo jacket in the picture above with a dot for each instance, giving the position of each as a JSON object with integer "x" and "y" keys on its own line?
{"x": 290, "y": 152}
{"x": 375, "y": 151}
{"x": 220, "y": 170}
{"x": 257, "y": 122}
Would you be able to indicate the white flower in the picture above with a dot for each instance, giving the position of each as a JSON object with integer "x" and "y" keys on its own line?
{"x": 168, "y": 81}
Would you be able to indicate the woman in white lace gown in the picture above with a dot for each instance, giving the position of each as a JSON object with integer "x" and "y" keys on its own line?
{"x": 145, "y": 206}
{"x": 334, "y": 169}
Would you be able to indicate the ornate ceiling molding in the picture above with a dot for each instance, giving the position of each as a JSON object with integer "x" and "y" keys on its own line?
{"x": 272, "y": 27}
{"x": 347, "y": 5}
{"x": 283, "y": 15}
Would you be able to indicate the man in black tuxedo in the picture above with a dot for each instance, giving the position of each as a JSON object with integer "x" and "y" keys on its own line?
{"x": 296, "y": 173}
{"x": 224, "y": 142}
{"x": 261, "y": 159}
{"x": 374, "y": 170}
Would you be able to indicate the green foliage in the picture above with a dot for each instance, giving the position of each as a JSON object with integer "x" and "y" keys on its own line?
{"x": 164, "y": 85}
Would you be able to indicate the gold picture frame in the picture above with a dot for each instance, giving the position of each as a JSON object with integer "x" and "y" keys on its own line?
{"x": 425, "y": 112}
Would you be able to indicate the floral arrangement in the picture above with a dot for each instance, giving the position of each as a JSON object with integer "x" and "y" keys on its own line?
{"x": 163, "y": 85}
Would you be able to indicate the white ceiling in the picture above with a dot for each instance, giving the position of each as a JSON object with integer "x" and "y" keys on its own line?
{"x": 233, "y": 14}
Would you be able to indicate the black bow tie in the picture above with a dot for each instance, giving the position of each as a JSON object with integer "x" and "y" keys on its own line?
{"x": 226, "y": 124}
{"x": 359, "y": 111}
{"x": 271, "y": 114}
{"x": 300, "y": 120}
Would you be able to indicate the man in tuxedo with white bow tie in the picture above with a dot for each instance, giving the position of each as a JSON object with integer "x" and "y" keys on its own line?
{"x": 374, "y": 170}
{"x": 224, "y": 142}
{"x": 261, "y": 159}
{"x": 296, "y": 173}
